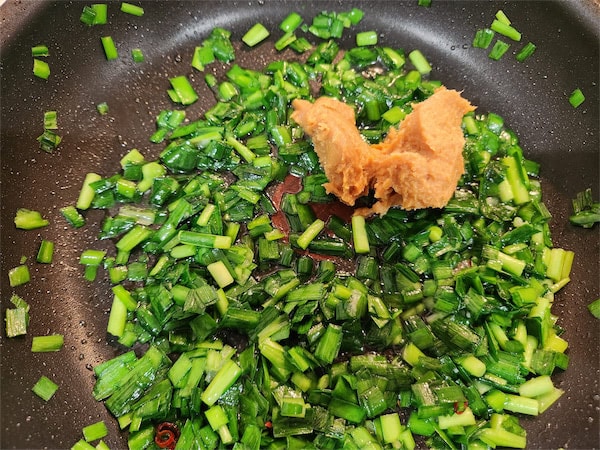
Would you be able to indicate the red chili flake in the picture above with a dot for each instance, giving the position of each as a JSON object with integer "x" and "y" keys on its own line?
{"x": 166, "y": 435}
{"x": 268, "y": 424}
{"x": 459, "y": 409}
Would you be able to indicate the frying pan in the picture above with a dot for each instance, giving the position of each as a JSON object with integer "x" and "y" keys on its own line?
{"x": 531, "y": 96}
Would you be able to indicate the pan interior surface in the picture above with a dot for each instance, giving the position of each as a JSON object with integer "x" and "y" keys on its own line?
{"x": 531, "y": 96}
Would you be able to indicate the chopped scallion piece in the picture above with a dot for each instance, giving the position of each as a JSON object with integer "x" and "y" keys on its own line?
{"x": 39, "y": 50}
{"x": 526, "y": 52}
{"x": 505, "y": 30}
{"x": 27, "y": 219}
{"x": 50, "y": 343}
{"x": 594, "y": 308}
{"x": 50, "y": 120}
{"x": 576, "y": 98}
{"x": 110, "y": 49}
{"x": 420, "y": 62}
{"x": 483, "y": 38}
{"x": 95, "y": 431}
{"x": 45, "y": 388}
{"x": 291, "y": 22}
{"x": 102, "y": 108}
{"x": 134, "y": 10}
{"x": 18, "y": 275}
{"x": 137, "y": 55}
{"x": 45, "y": 252}
{"x": 184, "y": 92}
{"x": 255, "y": 35}
{"x": 498, "y": 50}
{"x": 41, "y": 69}
{"x": 17, "y": 320}
{"x": 366, "y": 38}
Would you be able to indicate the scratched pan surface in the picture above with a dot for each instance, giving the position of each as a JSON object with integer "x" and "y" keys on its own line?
{"x": 531, "y": 96}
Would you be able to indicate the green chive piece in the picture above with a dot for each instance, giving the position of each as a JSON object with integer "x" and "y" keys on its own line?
{"x": 49, "y": 141}
{"x": 483, "y": 38}
{"x": 49, "y": 343}
{"x": 39, "y": 50}
{"x": 137, "y": 55}
{"x": 185, "y": 93}
{"x": 501, "y": 16}
{"x": 505, "y": 30}
{"x": 50, "y": 120}
{"x": 366, "y": 38}
{"x": 426, "y": 3}
{"x": 45, "y": 252}
{"x": 95, "y": 431}
{"x": 594, "y": 308}
{"x": 19, "y": 275}
{"x": 41, "y": 69}
{"x": 291, "y": 22}
{"x": 100, "y": 13}
{"x": 27, "y": 219}
{"x": 498, "y": 50}
{"x": 420, "y": 62}
{"x": 576, "y": 98}
{"x": 17, "y": 320}
{"x": 526, "y": 51}
{"x": 110, "y": 50}
{"x": 45, "y": 388}
{"x": 255, "y": 35}
{"x": 102, "y": 108}
{"x": 134, "y": 10}
{"x": 359, "y": 235}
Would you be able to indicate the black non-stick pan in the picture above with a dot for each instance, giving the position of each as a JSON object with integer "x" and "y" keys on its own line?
{"x": 531, "y": 96}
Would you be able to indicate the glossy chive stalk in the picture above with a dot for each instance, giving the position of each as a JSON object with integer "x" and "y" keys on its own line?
{"x": 256, "y": 34}
{"x": 498, "y": 50}
{"x": 134, "y": 10}
{"x": 50, "y": 343}
{"x": 110, "y": 49}
{"x": 18, "y": 275}
{"x": 28, "y": 219}
{"x": 41, "y": 69}
{"x": 45, "y": 252}
{"x": 45, "y": 388}
{"x": 526, "y": 51}
{"x": 95, "y": 431}
{"x": 576, "y": 98}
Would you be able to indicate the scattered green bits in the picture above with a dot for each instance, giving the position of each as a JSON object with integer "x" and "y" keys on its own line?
{"x": 17, "y": 320}
{"x": 134, "y": 10}
{"x": 45, "y": 252}
{"x": 39, "y": 50}
{"x": 498, "y": 50}
{"x": 576, "y": 98}
{"x": 182, "y": 91}
{"x": 96, "y": 14}
{"x": 50, "y": 120}
{"x": 45, "y": 388}
{"x": 49, "y": 343}
{"x": 526, "y": 51}
{"x": 365, "y": 38}
{"x": 420, "y": 62}
{"x": 586, "y": 212}
{"x": 255, "y": 35}
{"x": 137, "y": 55}
{"x": 27, "y": 219}
{"x": 110, "y": 49}
{"x": 19, "y": 275}
{"x": 41, "y": 69}
{"x": 483, "y": 38}
{"x": 102, "y": 108}
{"x": 95, "y": 431}
{"x": 594, "y": 308}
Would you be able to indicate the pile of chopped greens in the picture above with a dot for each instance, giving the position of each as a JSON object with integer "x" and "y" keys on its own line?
{"x": 260, "y": 322}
